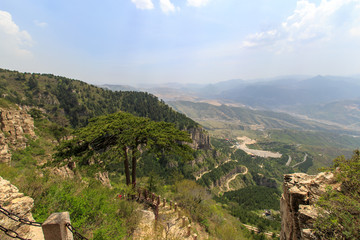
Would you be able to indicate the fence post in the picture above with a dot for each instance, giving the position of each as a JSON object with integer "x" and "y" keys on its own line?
{"x": 189, "y": 230}
{"x": 183, "y": 221}
{"x": 175, "y": 206}
{"x": 54, "y": 228}
{"x": 195, "y": 236}
{"x": 158, "y": 200}
{"x": 139, "y": 194}
{"x": 164, "y": 201}
{"x": 145, "y": 194}
{"x": 156, "y": 212}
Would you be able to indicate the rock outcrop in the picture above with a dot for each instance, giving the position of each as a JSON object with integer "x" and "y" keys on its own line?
{"x": 15, "y": 202}
{"x": 103, "y": 177}
{"x": 15, "y": 125}
{"x": 201, "y": 140}
{"x": 64, "y": 172}
{"x": 298, "y": 212}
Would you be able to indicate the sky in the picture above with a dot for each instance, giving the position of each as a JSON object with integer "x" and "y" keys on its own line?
{"x": 134, "y": 42}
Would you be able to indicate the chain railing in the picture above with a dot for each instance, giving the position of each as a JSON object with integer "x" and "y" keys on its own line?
{"x": 16, "y": 218}
{"x": 11, "y": 233}
{"x": 77, "y": 236}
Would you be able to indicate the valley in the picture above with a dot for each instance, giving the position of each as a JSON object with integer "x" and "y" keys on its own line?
{"x": 232, "y": 166}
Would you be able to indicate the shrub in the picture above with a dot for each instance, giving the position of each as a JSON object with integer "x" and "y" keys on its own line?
{"x": 340, "y": 210}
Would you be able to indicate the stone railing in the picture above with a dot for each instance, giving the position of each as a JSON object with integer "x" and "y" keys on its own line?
{"x": 56, "y": 227}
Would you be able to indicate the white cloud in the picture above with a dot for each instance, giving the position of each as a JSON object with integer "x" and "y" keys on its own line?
{"x": 197, "y": 3}
{"x": 308, "y": 23}
{"x": 13, "y": 41}
{"x": 355, "y": 31}
{"x": 167, "y": 7}
{"x": 143, "y": 4}
{"x": 40, "y": 24}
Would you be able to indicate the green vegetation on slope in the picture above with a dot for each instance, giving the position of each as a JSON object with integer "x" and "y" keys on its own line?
{"x": 248, "y": 202}
{"x": 94, "y": 209}
{"x": 72, "y": 102}
{"x": 59, "y": 105}
{"x": 340, "y": 217}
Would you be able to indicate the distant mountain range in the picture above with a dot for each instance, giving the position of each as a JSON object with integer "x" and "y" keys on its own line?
{"x": 285, "y": 92}
{"x": 333, "y": 99}
{"x": 245, "y": 118}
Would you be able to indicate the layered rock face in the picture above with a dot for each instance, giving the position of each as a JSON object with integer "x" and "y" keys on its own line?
{"x": 297, "y": 208}
{"x": 15, "y": 202}
{"x": 15, "y": 124}
{"x": 201, "y": 140}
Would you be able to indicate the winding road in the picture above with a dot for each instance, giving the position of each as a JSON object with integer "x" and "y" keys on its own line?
{"x": 205, "y": 172}
{"x": 289, "y": 161}
{"x": 227, "y": 186}
{"x": 255, "y": 229}
{"x": 305, "y": 158}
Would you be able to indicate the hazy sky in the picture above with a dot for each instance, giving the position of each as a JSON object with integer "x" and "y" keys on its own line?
{"x": 138, "y": 41}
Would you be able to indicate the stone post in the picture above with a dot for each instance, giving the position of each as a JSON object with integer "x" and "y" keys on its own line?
{"x": 175, "y": 206}
{"x": 145, "y": 194}
{"x": 156, "y": 212}
{"x": 195, "y": 236}
{"x": 139, "y": 194}
{"x": 54, "y": 228}
{"x": 164, "y": 201}
{"x": 189, "y": 230}
{"x": 183, "y": 221}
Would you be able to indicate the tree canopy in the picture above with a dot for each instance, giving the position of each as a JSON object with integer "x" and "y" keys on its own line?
{"x": 126, "y": 136}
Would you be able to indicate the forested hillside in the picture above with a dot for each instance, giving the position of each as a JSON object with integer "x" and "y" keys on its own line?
{"x": 83, "y": 141}
{"x": 72, "y": 102}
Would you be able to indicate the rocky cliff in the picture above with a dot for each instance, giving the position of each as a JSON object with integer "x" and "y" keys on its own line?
{"x": 15, "y": 202}
{"x": 15, "y": 125}
{"x": 298, "y": 212}
{"x": 201, "y": 140}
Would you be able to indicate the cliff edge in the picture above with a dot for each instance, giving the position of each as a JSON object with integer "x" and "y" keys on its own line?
{"x": 297, "y": 204}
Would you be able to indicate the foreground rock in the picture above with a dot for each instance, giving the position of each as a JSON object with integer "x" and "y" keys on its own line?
{"x": 15, "y": 202}
{"x": 298, "y": 212}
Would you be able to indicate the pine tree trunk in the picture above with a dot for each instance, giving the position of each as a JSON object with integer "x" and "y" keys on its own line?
{"x": 126, "y": 165}
{"x": 133, "y": 168}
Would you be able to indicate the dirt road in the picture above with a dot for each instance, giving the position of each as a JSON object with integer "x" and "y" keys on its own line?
{"x": 244, "y": 141}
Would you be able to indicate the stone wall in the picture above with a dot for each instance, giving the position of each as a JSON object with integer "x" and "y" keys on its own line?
{"x": 297, "y": 204}
{"x": 15, "y": 125}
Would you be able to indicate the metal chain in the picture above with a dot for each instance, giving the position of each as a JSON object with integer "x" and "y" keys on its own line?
{"x": 75, "y": 233}
{"x": 11, "y": 233}
{"x": 18, "y": 219}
